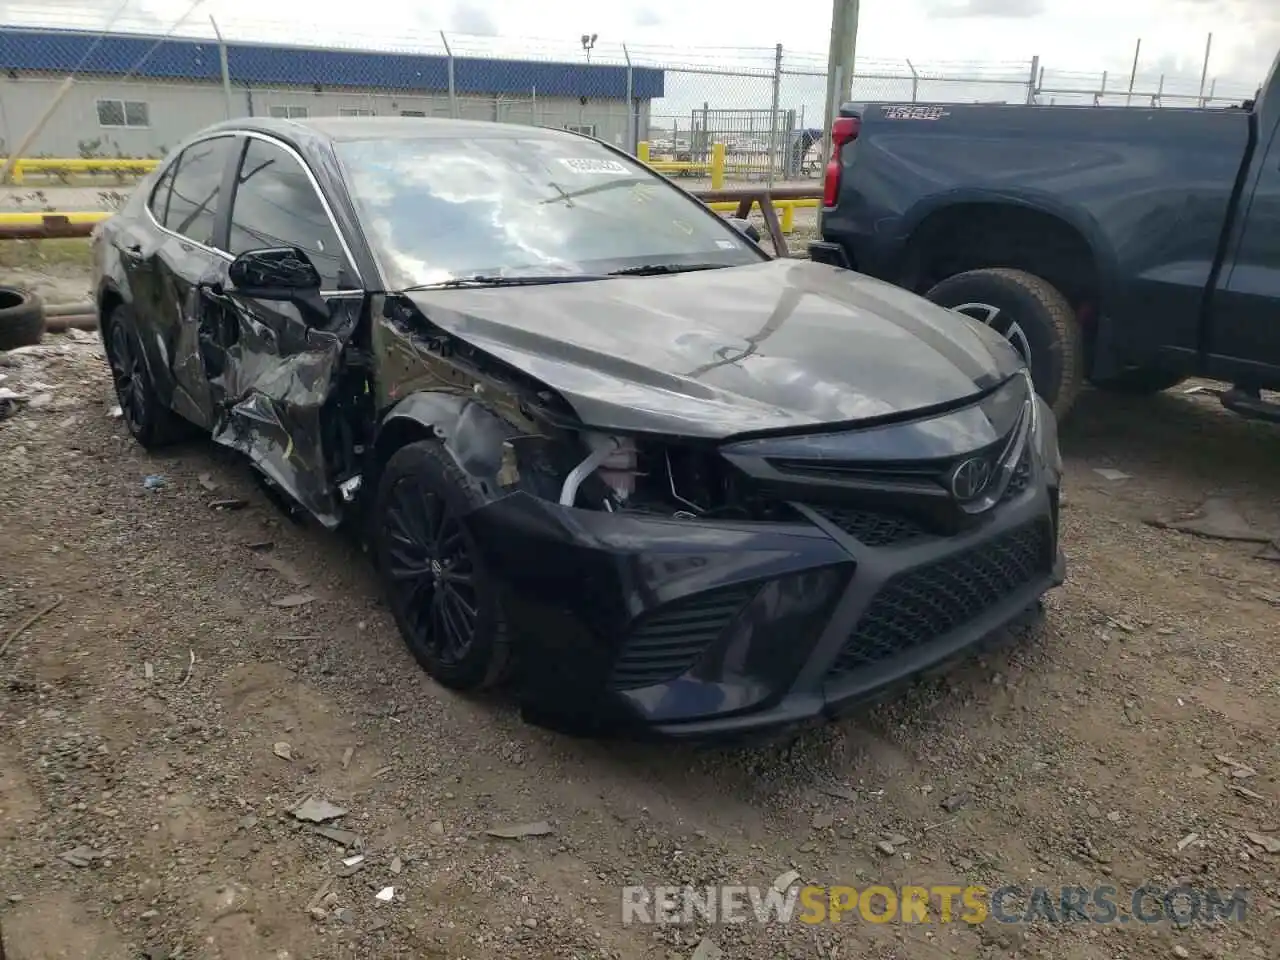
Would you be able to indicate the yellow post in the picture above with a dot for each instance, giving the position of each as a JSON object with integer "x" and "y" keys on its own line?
{"x": 717, "y": 166}
{"x": 788, "y": 216}
{"x": 642, "y": 151}
{"x": 16, "y": 176}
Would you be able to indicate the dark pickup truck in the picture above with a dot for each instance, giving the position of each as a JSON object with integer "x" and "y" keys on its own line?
{"x": 1125, "y": 247}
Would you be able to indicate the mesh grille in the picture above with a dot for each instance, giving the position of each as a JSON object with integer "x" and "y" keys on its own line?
{"x": 871, "y": 527}
{"x": 927, "y": 603}
{"x": 668, "y": 641}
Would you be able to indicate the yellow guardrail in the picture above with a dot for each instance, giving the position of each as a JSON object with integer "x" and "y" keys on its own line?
{"x": 713, "y": 168}
{"x": 62, "y": 166}
{"x": 37, "y": 219}
{"x": 787, "y": 207}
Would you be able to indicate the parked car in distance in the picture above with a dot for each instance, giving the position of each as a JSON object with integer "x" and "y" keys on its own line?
{"x": 1121, "y": 246}
{"x": 598, "y": 440}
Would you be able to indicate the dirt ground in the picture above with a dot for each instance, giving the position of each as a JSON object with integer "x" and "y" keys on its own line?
{"x": 159, "y": 724}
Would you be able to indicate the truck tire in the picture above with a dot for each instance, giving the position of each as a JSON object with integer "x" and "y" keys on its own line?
{"x": 1033, "y": 316}
{"x": 1139, "y": 382}
{"x": 21, "y": 318}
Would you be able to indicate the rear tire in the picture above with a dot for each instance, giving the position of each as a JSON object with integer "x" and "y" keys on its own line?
{"x": 21, "y": 318}
{"x": 444, "y": 601}
{"x": 1034, "y": 316}
{"x": 152, "y": 423}
{"x": 1141, "y": 382}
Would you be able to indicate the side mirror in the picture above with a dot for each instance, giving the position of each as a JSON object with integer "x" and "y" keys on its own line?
{"x": 274, "y": 273}
{"x": 746, "y": 228}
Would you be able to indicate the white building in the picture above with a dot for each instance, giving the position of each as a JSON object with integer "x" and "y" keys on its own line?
{"x": 137, "y": 96}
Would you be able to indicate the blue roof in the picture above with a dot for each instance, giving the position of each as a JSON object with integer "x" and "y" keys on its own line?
{"x": 64, "y": 51}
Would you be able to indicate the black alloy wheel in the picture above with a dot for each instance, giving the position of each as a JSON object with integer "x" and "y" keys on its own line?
{"x": 428, "y": 558}
{"x": 129, "y": 373}
{"x": 444, "y": 603}
{"x": 150, "y": 421}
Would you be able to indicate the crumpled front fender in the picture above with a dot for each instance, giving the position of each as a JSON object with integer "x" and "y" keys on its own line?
{"x": 471, "y": 433}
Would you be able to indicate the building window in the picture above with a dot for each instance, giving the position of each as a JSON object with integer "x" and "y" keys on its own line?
{"x": 289, "y": 113}
{"x": 355, "y": 112}
{"x": 123, "y": 113}
{"x": 589, "y": 129}
{"x": 413, "y": 113}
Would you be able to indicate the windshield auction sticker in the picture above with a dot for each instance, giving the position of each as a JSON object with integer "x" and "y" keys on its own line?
{"x": 592, "y": 165}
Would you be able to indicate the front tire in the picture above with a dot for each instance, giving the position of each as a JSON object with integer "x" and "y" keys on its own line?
{"x": 1033, "y": 316}
{"x": 443, "y": 599}
{"x": 152, "y": 423}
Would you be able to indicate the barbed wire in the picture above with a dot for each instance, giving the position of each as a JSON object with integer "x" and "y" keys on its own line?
{"x": 710, "y": 58}
{"x": 144, "y": 86}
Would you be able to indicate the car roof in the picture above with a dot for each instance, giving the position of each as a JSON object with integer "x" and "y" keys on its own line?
{"x": 339, "y": 129}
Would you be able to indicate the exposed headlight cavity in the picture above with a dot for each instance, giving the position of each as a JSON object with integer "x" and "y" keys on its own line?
{"x": 611, "y": 458}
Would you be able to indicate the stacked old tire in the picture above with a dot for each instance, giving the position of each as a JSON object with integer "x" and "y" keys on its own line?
{"x": 22, "y": 319}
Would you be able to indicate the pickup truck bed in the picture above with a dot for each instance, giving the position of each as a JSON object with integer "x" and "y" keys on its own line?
{"x": 1151, "y": 237}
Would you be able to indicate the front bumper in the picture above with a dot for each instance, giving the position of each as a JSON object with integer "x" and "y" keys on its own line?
{"x": 685, "y": 628}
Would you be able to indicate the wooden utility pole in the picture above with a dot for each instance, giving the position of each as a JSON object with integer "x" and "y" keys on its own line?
{"x": 844, "y": 37}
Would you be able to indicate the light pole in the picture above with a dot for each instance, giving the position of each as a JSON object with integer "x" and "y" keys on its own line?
{"x": 588, "y": 42}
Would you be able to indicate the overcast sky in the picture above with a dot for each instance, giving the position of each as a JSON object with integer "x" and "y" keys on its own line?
{"x": 1068, "y": 35}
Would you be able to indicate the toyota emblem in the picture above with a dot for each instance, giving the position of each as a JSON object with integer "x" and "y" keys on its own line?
{"x": 970, "y": 478}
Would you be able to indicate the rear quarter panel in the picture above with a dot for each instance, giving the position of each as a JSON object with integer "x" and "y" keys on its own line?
{"x": 1149, "y": 189}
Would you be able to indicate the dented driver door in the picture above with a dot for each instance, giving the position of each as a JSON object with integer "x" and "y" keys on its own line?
{"x": 273, "y": 364}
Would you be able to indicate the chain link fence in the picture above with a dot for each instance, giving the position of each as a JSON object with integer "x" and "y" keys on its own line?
{"x": 138, "y": 95}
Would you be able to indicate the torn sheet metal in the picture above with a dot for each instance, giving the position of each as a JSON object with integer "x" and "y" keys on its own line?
{"x": 271, "y": 374}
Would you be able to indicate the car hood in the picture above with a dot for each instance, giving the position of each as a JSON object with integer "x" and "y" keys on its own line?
{"x": 785, "y": 344}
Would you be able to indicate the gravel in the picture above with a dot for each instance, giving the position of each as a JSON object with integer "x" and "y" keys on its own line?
{"x": 146, "y": 807}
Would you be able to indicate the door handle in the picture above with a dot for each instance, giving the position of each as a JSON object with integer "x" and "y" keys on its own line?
{"x": 133, "y": 252}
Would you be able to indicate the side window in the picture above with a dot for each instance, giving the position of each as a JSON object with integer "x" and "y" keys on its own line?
{"x": 193, "y": 201}
{"x": 159, "y": 201}
{"x": 275, "y": 205}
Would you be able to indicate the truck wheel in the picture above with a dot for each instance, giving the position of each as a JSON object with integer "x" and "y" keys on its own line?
{"x": 1033, "y": 316}
{"x": 444, "y": 601}
{"x": 1138, "y": 382}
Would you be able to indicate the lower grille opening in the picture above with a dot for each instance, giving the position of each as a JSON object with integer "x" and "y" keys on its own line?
{"x": 874, "y": 528}
{"x": 668, "y": 641}
{"x": 921, "y": 605}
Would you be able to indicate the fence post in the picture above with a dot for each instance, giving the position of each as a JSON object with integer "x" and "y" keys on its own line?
{"x": 706, "y": 131}
{"x": 1133, "y": 72}
{"x": 1033, "y": 79}
{"x": 1204, "y": 70}
{"x": 631, "y": 137}
{"x": 915, "y": 81}
{"x": 717, "y": 166}
{"x": 453, "y": 90}
{"x": 773, "y": 113}
{"x": 222, "y": 60}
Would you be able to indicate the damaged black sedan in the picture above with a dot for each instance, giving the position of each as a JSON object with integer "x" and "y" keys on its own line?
{"x": 597, "y": 439}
